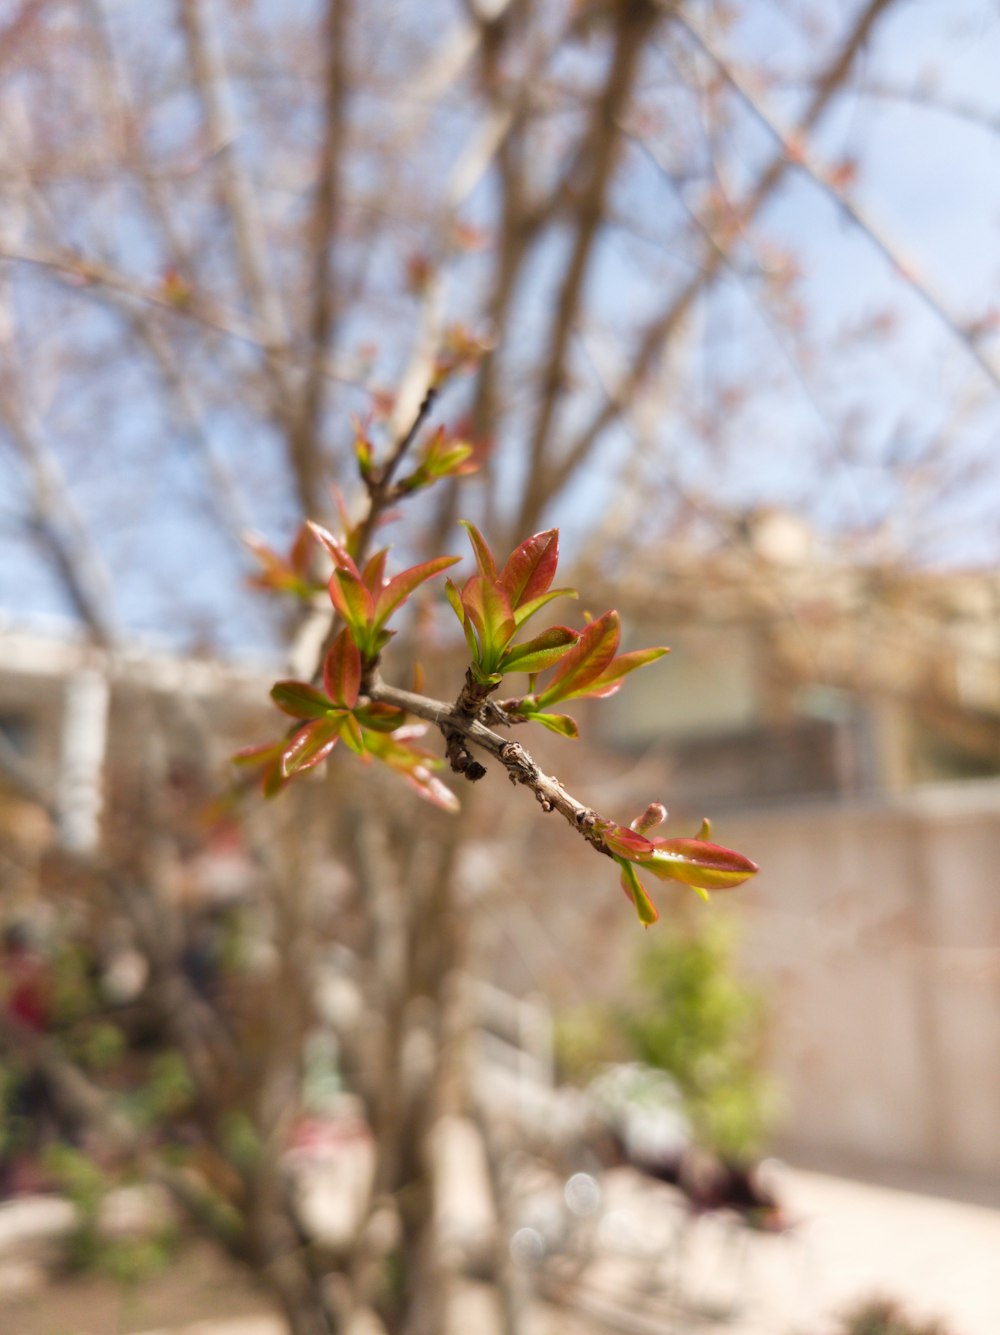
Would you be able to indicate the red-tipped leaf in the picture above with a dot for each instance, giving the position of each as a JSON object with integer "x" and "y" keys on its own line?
{"x": 618, "y": 669}
{"x": 400, "y": 588}
{"x": 694, "y": 862}
{"x": 485, "y": 559}
{"x": 531, "y": 568}
{"x": 310, "y": 745}
{"x": 489, "y": 611}
{"x": 352, "y": 600}
{"x": 342, "y": 671}
{"x": 585, "y": 662}
{"x": 337, "y": 552}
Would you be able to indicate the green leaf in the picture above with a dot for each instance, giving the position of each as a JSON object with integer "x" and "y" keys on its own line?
{"x": 455, "y": 599}
{"x": 585, "y": 662}
{"x": 531, "y": 568}
{"x": 310, "y": 745}
{"x": 636, "y": 891}
{"x": 400, "y": 588}
{"x": 300, "y": 699}
{"x": 544, "y": 651}
{"x": 528, "y": 609}
{"x": 353, "y": 601}
{"x": 342, "y": 671}
{"x": 354, "y": 738}
{"x": 560, "y": 723}
{"x": 485, "y": 559}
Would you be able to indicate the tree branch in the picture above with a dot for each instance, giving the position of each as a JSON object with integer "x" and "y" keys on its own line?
{"x": 520, "y": 767}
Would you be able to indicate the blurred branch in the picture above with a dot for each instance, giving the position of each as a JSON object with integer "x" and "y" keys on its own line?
{"x": 305, "y": 445}
{"x": 659, "y": 333}
{"x": 796, "y": 151}
{"x": 598, "y": 157}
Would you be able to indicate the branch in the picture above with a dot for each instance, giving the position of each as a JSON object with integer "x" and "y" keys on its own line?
{"x": 659, "y": 333}
{"x": 307, "y": 463}
{"x": 520, "y": 767}
{"x": 600, "y": 153}
{"x": 796, "y": 151}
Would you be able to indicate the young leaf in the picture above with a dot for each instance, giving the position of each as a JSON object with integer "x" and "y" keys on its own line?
{"x": 636, "y": 891}
{"x": 373, "y": 575}
{"x": 585, "y": 662}
{"x": 485, "y": 559}
{"x": 544, "y": 651}
{"x": 626, "y": 843}
{"x": 350, "y": 731}
{"x": 353, "y": 601}
{"x": 489, "y": 611}
{"x": 560, "y": 723}
{"x": 618, "y": 669}
{"x": 455, "y": 600}
{"x": 400, "y": 588}
{"x": 531, "y": 568}
{"x": 310, "y": 745}
{"x": 415, "y": 765}
{"x": 342, "y": 671}
{"x": 380, "y": 717}
{"x": 300, "y": 699}
{"x": 528, "y": 609}
{"x": 337, "y": 552}
{"x": 696, "y": 863}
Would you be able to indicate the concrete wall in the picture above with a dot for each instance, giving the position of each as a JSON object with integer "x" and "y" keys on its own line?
{"x": 878, "y": 927}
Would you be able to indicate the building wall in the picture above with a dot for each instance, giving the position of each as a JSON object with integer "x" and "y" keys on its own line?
{"x": 878, "y": 927}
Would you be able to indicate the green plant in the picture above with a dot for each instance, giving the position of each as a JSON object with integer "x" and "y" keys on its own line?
{"x": 698, "y": 1021}
{"x": 883, "y": 1316}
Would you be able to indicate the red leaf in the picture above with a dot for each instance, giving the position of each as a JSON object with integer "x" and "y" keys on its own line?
{"x": 342, "y": 671}
{"x": 531, "y": 568}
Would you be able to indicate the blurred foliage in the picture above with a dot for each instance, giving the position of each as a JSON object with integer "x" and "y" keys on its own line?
{"x": 125, "y": 1259}
{"x": 882, "y": 1316}
{"x": 696, "y": 1019}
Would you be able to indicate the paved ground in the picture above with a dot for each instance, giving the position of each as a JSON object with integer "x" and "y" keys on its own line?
{"x": 939, "y": 1256}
